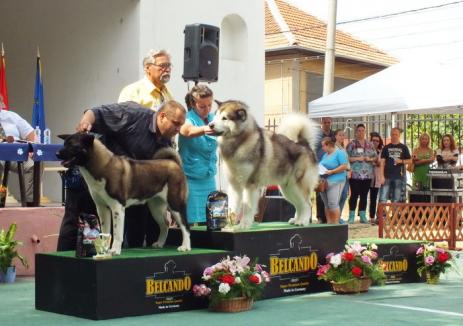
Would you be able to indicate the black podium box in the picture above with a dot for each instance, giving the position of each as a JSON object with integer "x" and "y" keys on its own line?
{"x": 139, "y": 282}
{"x": 398, "y": 258}
{"x": 291, "y": 253}
{"x": 419, "y": 196}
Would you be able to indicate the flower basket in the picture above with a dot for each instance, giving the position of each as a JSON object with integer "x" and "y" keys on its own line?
{"x": 353, "y": 270}
{"x": 432, "y": 278}
{"x": 233, "y": 305}
{"x": 432, "y": 260}
{"x": 352, "y": 286}
{"x": 232, "y": 284}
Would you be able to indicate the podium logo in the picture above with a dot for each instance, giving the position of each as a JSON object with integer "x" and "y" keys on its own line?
{"x": 394, "y": 262}
{"x": 168, "y": 283}
{"x": 293, "y": 260}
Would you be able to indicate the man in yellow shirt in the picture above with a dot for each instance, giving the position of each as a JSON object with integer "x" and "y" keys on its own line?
{"x": 151, "y": 91}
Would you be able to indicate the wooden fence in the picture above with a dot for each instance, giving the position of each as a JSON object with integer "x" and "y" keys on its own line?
{"x": 421, "y": 221}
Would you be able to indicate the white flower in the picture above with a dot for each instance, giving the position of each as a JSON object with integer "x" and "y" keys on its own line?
{"x": 39, "y": 152}
{"x": 374, "y": 246}
{"x": 336, "y": 260}
{"x": 224, "y": 288}
{"x": 20, "y": 151}
{"x": 237, "y": 280}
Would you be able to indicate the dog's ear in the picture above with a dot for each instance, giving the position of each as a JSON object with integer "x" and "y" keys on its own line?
{"x": 64, "y": 136}
{"x": 218, "y": 102}
{"x": 87, "y": 140}
{"x": 242, "y": 114}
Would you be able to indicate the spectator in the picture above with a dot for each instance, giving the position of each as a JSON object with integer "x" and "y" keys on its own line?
{"x": 198, "y": 151}
{"x": 375, "y": 185}
{"x": 340, "y": 135}
{"x": 151, "y": 91}
{"x": 447, "y": 154}
{"x": 13, "y": 127}
{"x": 422, "y": 157}
{"x": 393, "y": 178}
{"x": 335, "y": 162}
{"x": 361, "y": 154}
{"x": 324, "y": 132}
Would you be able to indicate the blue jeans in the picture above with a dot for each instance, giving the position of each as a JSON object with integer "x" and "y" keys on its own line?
{"x": 392, "y": 189}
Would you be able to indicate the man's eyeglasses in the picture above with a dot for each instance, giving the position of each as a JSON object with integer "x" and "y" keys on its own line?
{"x": 163, "y": 66}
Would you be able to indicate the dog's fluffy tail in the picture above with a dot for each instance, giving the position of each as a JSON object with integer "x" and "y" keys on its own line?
{"x": 299, "y": 128}
{"x": 168, "y": 153}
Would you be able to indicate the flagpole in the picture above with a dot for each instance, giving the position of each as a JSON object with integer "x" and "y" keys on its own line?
{"x": 3, "y": 51}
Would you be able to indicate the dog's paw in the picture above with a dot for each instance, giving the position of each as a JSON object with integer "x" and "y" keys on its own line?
{"x": 115, "y": 252}
{"x": 184, "y": 248}
{"x": 292, "y": 220}
{"x": 157, "y": 245}
{"x": 242, "y": 226}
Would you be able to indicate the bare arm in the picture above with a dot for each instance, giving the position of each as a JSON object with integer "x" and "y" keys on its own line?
{"x": 190, "y": 131}
{"x": 88, "y": 119}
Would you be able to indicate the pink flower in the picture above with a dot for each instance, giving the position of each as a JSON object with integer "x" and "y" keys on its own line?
{"x": 440, "y": 250}
{"x": 429, "y": 260}
{"x": 266, "y": 276}
{"x": 323, "y": 269}
{"x": 201, "y": 290}
{"x": 366, "y": 260}
{"x": 420, "y": 251}
{"x": 328, "y": 257}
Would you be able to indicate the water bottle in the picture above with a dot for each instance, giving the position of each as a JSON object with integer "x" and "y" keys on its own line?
{"x": 37, "y": 133}
{"x": 47, "y": 136}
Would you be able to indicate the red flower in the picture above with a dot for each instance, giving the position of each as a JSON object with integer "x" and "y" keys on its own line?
{"x": 254, "y": 279}
{"x": 442, "y": 257}
{"x": 357, "y": 271}
{"x": 229, "y": 279}
{"x": 348, "y": 256}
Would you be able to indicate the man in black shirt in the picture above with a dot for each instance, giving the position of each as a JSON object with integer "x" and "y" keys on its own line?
{"x": 394, "y": 157}
{"x": 129, "y": 129}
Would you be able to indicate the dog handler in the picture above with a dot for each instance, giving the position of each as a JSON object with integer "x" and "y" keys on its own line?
{"x": 130, "y": 130}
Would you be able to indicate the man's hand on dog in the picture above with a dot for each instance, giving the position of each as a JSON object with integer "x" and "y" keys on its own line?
{"x": 86, "y": 122}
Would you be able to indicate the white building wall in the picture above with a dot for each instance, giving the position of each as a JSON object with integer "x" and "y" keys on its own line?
{"x": 91, "y": 49}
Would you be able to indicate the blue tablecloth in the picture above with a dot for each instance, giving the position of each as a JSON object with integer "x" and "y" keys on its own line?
{"x": 14, "y": 151}
{"x": 45, "y": 152}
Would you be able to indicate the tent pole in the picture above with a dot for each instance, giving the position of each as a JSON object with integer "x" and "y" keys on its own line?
{"x": 328, "y": 76}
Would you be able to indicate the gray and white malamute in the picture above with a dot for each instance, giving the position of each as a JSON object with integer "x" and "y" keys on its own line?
{"x": 116, "y": 182}
{"x": 255, "y": 157}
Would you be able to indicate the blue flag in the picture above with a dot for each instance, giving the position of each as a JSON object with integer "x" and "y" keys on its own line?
{"x": 38, "y": 110}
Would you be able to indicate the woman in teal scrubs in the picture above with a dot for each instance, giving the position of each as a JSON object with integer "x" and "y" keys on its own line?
{"x": 198, "y": 150}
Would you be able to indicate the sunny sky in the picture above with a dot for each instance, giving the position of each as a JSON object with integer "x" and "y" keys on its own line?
{"x": 414, "y": 29}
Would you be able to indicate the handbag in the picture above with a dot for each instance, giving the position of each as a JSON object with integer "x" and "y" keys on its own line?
{"x": 322, "y": 185}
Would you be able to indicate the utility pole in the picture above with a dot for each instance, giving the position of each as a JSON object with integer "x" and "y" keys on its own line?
{"x": 328, "y": 77}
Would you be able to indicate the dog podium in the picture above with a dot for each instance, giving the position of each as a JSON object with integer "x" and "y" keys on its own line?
{"x": 138, "y": 282}
{"x": 397, "y": 257}
{"x": 291, "y": 253}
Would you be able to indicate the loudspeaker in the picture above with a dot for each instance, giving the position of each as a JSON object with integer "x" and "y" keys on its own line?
{"x": 201, "y": 53}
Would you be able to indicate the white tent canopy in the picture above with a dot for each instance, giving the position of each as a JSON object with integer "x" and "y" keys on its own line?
{"x": 407, "y": 87}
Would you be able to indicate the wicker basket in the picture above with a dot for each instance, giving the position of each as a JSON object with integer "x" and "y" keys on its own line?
{"x": 233, "y": 305}
{"x": 353, "y": 286}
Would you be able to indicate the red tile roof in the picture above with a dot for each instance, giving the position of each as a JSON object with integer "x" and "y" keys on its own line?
{"x": 310, "y": 33}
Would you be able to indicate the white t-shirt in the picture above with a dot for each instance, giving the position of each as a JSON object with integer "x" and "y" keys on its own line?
{"x": 14, "y": 125}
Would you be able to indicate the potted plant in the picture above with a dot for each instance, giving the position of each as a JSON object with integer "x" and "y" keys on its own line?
{"x": 232, "y": 285}
{"x": 352, "y": 270}
{"x": 7, "y": 253}
{"x": 432, "y": 260}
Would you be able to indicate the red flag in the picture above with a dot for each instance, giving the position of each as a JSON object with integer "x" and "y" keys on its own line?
{"x": 3, "y": 88}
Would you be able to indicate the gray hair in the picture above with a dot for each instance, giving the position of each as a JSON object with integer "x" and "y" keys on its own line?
{"x": 151, "y": 56}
